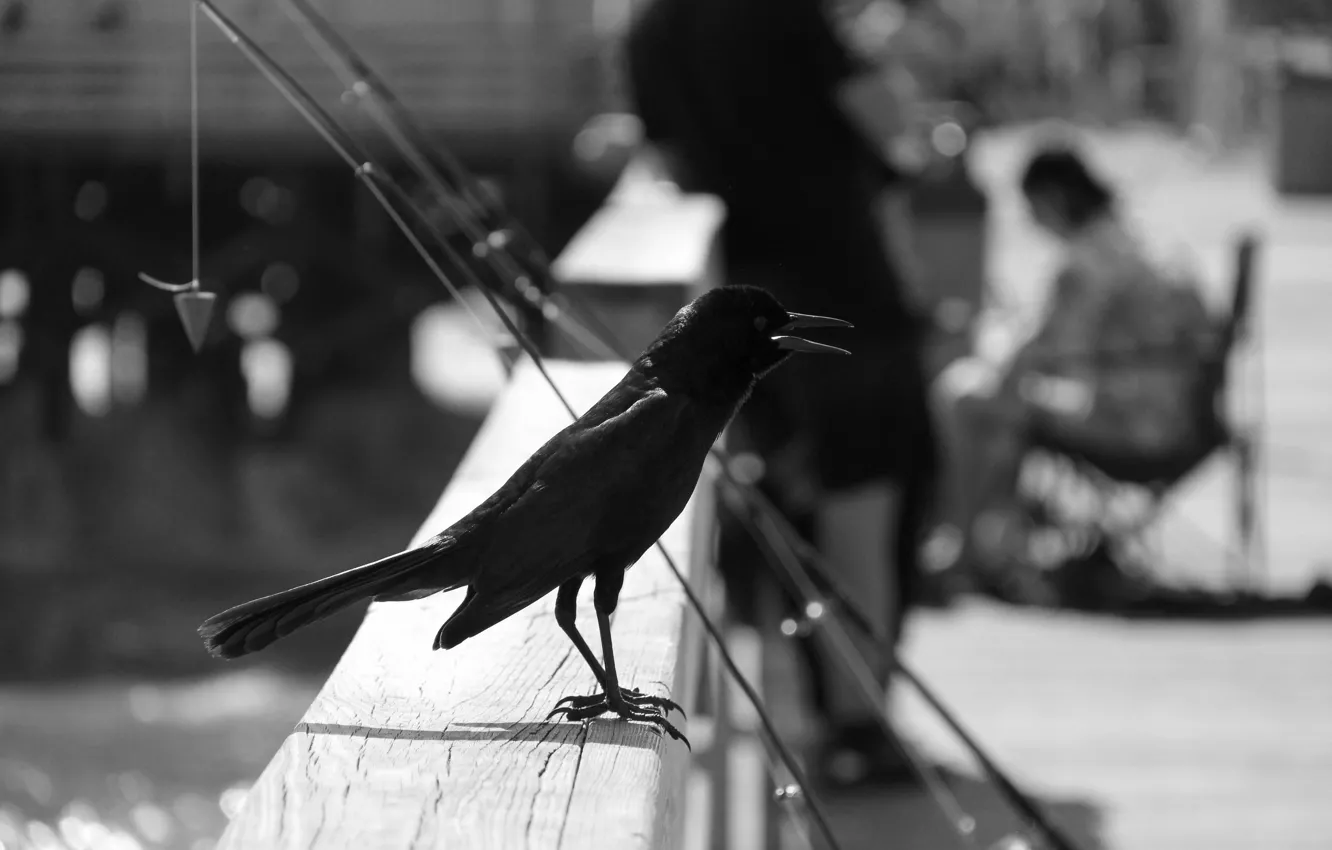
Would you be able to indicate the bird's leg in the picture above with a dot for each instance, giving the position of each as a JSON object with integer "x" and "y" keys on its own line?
{"x": 631, "y": 704}
{"x": 628, "y": 703}
{"x": 607, "y": 598}
{"x": 565, "y": 610}
{"x": 566, "y": 615}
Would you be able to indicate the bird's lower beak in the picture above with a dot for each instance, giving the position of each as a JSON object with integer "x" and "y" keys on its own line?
{"x": 795, "y": 343}
{"x": 801, "y": 321}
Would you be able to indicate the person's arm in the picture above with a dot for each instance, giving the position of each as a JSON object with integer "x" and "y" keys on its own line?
{"x": 1039, "y": 352}
{"x": 876, "y": 107}
{"x": 873, "y": 109}
{"x": 869, "y": 99}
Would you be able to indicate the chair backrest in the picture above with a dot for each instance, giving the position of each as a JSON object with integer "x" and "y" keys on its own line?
{"x": 1211, "y": 399}
{"x": 1236, "y": 326}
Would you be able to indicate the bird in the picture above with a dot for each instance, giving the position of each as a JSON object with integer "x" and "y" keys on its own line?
{"x": 588, "y": 503}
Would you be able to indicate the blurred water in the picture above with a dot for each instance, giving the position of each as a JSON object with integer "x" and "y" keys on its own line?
{"x": 146, "y": 761}
{"x": 137, "y": 765}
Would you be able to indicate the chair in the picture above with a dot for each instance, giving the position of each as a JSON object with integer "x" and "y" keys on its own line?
{"x": 1124, "y": 494}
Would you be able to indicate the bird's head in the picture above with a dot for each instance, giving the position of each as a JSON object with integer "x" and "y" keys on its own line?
{"x": 727, "y": 338}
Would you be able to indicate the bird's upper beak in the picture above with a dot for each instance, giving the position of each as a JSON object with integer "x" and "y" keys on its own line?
{"x": 802, "y": 320}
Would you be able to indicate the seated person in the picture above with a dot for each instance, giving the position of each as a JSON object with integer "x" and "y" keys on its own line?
{"x": 1113, "y": 364}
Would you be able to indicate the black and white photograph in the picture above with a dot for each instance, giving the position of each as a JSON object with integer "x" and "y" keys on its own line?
{"x": 666, "y": 424}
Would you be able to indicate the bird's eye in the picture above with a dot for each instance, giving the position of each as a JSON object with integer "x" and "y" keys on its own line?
{"x": 761, "y": 323}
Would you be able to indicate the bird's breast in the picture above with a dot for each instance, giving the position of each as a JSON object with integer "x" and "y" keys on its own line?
{"x": 662, "y": 481}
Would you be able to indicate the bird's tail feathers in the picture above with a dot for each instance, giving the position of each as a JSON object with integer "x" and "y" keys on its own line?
{"x": 253, "y": 625}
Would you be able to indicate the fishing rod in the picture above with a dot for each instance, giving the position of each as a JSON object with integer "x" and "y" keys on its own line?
{"x": 390, "y": 117}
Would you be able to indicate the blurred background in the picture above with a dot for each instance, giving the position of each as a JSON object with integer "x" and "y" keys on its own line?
{"x": 143, "y": 487}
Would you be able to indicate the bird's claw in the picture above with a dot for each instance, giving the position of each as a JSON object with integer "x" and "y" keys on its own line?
{"x": 633, "y": 696}
{"x": 633, "y": 705}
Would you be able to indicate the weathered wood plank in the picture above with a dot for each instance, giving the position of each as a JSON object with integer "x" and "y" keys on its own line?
{"x": 409, "y": 748}
{"x": 643, "y": 254}
{"x": 648, "y": 233}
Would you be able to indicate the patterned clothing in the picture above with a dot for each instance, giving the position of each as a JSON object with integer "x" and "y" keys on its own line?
{"x": 1126, "y": 335}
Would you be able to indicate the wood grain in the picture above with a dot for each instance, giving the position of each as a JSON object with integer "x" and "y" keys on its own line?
{"x": 645, "y": 253}
{"x": 409, "y": 748}
{"x": 644, "y": 243}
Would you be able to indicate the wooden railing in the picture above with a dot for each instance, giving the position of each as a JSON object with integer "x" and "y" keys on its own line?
{"x": 408, "y": 748}
{"x": 640, "y": 258}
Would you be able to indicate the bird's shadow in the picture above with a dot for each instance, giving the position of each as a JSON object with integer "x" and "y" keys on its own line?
{"x": 609, "y": 730}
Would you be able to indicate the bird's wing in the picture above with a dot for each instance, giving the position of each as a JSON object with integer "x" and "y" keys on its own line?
{"x": 602, "y": 495}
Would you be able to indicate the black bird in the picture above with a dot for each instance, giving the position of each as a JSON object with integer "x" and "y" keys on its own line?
{"x": 588, "y": 503}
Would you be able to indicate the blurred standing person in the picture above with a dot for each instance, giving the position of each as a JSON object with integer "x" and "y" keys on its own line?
{"x": 773, "y": 106}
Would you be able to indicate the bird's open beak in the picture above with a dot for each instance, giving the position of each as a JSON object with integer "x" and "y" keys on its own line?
{"x": 801, "y": 321}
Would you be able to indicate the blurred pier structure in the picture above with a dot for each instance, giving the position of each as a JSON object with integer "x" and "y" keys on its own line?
{"x": 337, "y": 387}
